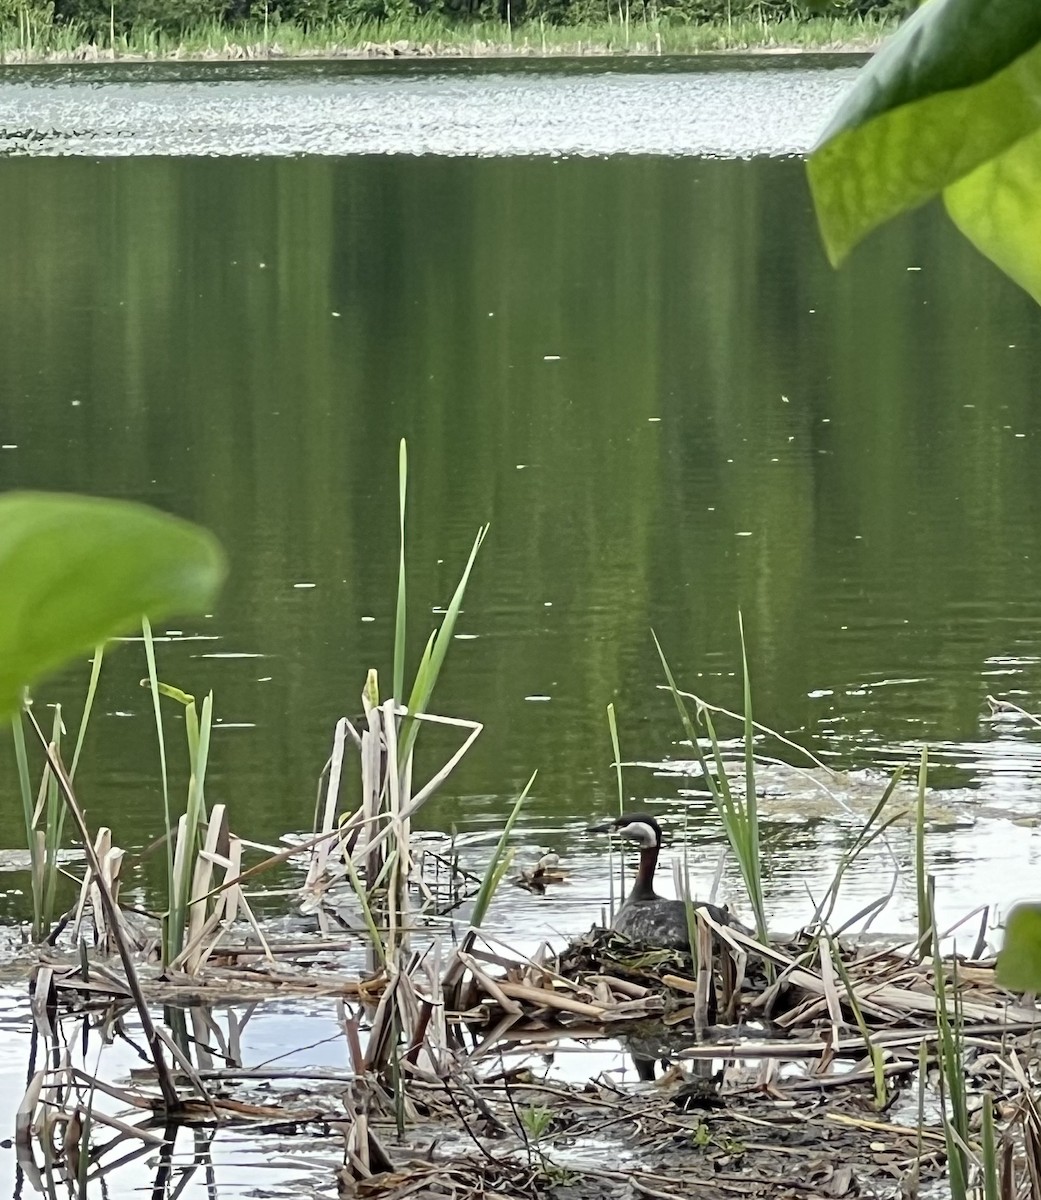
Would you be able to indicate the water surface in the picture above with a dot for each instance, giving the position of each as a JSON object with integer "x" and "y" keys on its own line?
{"x": 638, "y": 366}
{"x": 711, "y": 106}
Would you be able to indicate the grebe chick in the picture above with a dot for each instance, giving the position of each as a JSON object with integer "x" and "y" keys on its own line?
{"x": 646, "y": 918}
{"x": 546, "y": 871}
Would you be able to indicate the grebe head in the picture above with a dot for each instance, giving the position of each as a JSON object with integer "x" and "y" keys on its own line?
{"x": 634, "y": 827}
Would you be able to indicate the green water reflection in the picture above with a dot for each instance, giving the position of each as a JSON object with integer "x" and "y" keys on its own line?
{"x": 640, "y": 371}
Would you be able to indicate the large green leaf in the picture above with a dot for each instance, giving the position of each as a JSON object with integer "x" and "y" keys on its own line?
{"x": 958, "y": 85}
{"x": 998, "y": 208}
{"x": 75, "y": 571}
{"x": 1019, "y": 963}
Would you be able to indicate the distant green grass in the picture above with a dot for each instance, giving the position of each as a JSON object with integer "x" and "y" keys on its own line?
{"x": 37, "y": 41}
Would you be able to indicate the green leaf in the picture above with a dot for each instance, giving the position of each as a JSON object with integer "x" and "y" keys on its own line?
{"x": 959, "y": 84}
{"x": 77, "y": 570}
{"x": 170, "y": 692}
{"x": 998, "y": 208}
{"x": 1019, "y": 963}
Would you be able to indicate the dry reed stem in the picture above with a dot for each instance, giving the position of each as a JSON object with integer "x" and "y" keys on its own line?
{"x": 316, "y": 867}
{"x": 171, "y": 1100}
{"x": 704, "y": 976}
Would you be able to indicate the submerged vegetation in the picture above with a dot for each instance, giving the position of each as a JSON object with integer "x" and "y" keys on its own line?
{"x": 28, "y": 35}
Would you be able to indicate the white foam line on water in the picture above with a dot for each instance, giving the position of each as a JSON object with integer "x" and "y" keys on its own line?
{"x": 230, "y": 654}
{"x": 172, "y": 636}
{"x": 684, "y": 109}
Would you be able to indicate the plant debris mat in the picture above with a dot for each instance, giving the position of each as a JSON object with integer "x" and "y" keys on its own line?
{"x": 804, "y": 984}
{"x": 815, "y": 1090}
{"x": 789, "y": 996}
{"x": 676, "y": 1138}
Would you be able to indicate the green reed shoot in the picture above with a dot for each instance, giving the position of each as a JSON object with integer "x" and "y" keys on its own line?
{"x": 989, "y": 1152}
{"x": 88, "y": 708}
{"x": 926, "y": 922}
{"x": 436, "y": 649}
{"x": 434, "y": 655}
{"x": 45, "y": 817}
{"x": 749, "y": 824}
{"x": 612, "y": 725}
{"x": 189, "y": 831}
{"x": 157, "y": 711}
{"x": 54, "y": 819}
{"x": 388, "y": 799}
{"x": 923, "y": 1081}
{"x": 866, "y": 836}
{"x": 362, "y": 893}
{"x": 953, "y": 1097}
{"x": 55, "y": 802}
{"x": 536, "y": 1119}
{"x": 740, "y": 816}
{"x": 28, "y": 809}
{"x": 874, "y": 1051}
{"x": 500, "y": 861}
{"x": 183, "y": 840}
{"x": 400, "y": 616}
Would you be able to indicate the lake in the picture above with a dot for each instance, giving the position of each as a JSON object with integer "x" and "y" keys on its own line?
{"x": 593, "y": 298}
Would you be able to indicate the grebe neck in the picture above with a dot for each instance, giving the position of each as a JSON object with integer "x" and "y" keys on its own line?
{"x": 643, "y": 888}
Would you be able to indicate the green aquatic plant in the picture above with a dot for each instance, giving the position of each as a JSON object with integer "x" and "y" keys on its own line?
{"x": 373, "y": 848}
{"x": 435, "y": 651}
{"x": 866, "y": 836}
{"x": 537, "y": 1120}
{"x": 923, "y": 887}
{"x": 612, "y": 725}
{"x": 953, "y": 1093}
{"x": 44, "y": 824}
{"x": 183, "y": 838}
{"x": 739, "y": 814}
{"x": 500, "y": 861}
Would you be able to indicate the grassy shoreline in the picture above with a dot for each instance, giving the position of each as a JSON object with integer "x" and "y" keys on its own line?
{"x": 33, "y": 44}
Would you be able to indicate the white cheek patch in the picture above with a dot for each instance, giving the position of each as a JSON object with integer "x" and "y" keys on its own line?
{"x": 639, "y": 832}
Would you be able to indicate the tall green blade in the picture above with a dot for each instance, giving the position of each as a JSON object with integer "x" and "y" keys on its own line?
{"x": 53, "y": 814}
{"x": 195, "y": 817}
{"x": 740, "y": 821}
{"x": 613, "y": 726}
{"x": 751, "y": 813}
{"x": 25, "y": 789}
{"x": 925, "y": 915}
{"x": 399, "y": 622}
{"x": 153, "y": 682}
{"x": 500, "y": 860}
{"x": 433, "y": 660}
{"x": 88, "y": 706}
{"x": 989, "y": 1157}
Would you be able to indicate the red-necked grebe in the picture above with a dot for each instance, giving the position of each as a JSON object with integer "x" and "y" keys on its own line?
{"x": 646, "y": 918}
